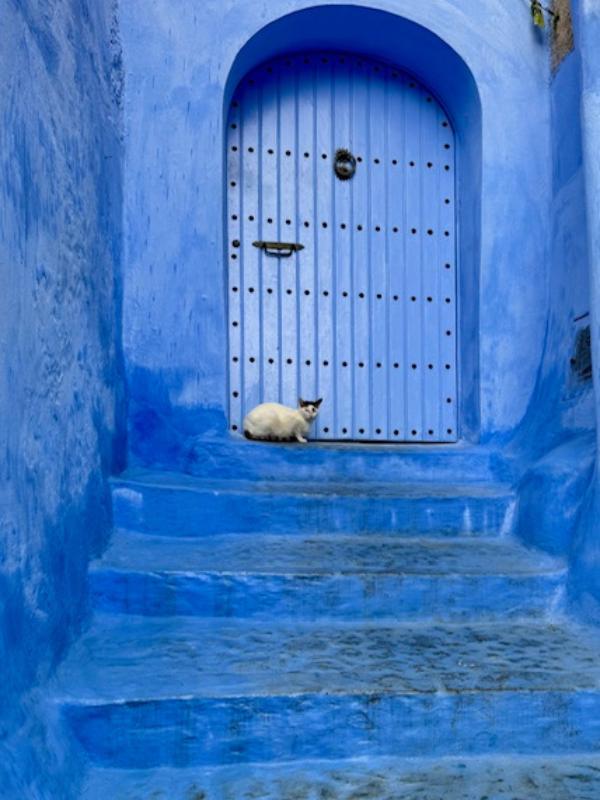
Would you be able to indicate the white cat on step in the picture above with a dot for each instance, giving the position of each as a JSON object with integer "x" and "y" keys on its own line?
{"x": 276, "y": 422}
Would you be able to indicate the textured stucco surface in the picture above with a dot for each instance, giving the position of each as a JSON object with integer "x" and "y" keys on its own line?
{"x": 508, "y": 778}
{"x": 178, "y": 59}
{"x": 60, "y": 207}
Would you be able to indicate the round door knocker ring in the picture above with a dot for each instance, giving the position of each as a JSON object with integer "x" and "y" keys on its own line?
{"x": 344, "y": 164}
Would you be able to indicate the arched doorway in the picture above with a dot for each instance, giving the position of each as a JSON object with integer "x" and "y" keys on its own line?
{"x": 343, "y": 285}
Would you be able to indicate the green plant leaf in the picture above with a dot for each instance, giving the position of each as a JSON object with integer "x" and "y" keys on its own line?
{"x": 537, "y": 14}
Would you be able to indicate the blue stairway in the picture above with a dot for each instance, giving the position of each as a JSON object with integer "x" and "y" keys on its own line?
{"x": 292, "y": 635}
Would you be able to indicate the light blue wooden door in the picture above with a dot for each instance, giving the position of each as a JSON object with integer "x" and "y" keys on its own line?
{"x": 365, "y": 314}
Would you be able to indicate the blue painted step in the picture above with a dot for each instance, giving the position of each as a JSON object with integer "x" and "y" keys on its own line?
{"x": 175, "y": 505}
{"x": 575, "y": 777}
{"x": 360, "y": 577}
{"x": 338, "y": 462}
{"x": 142, "y": 692}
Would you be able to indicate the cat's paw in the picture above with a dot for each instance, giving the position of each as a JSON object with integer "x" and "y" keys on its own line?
{"x": 301, "y": 439}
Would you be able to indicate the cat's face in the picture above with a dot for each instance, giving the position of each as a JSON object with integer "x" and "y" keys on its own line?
{"x": 309, "y": 408}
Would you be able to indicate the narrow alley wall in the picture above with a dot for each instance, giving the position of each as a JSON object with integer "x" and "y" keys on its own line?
{"x": 60, "y": 208}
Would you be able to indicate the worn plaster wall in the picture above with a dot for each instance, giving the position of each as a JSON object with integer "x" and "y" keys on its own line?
{"x": 585, "y": 550}
{"x": 558, "y": 429}
{"x": 60, "y": 395}
{"x": 177, "y": 58}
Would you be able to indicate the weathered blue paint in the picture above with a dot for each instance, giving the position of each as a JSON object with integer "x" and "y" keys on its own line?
{"x": 494, "y": 778}
{"x": 365, "y": 314}
{"x": 585, "y": 584}
{"x": 147, "y": 692}
{"x": 346, "y": 577}
{"x": 160, "y": 503}
{"x": 173, "y": 385}
{"x": 60, "y": 384}
{"x": 464, "y": 651}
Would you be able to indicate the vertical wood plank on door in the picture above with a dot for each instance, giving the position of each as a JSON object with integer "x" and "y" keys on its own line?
{"x": 360, "y": 261}
{"x": 341, "y": 232}
{"x": 269, "y": 204}
{"x": 235, "y": 267}
{"x": 287, "y": 220}
{"x": 323, "y": 223}
{"x": 307, "y": 261}
{"x": 378, "y": 167}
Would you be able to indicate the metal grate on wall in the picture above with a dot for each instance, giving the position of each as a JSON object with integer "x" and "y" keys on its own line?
{"x": 343, "y": 286}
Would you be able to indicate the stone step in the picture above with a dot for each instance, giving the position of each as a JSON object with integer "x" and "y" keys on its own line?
{"x": 361, "y": 577}
{"x": 171, "y": 504}
{"x": 143, "y": 692}
{"x": 339, "y": 462}
{"x": 546, "y": 777}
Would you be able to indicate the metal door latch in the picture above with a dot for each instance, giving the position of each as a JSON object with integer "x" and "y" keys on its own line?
{"x": 279, "y": 249}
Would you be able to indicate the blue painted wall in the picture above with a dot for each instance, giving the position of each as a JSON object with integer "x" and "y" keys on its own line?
{"x": 557, "y": 432}
{"x": 179, "y": 60}
{"x": 60, "y": 391}
{"x": 585, "y": 551}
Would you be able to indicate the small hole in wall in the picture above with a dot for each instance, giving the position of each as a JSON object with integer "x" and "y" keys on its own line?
{"x": 396, "y": 432}
{"x": 235, "y": 359}
{"x": 252, "y": 359}
{"x": 361, "y": 430}
{"x": 377, "y": 430}
{"x": 234, "y": 427}
{"x": 344, "y": 430}
{"x": 236, "y": 394}
{"x": 325, "y": 430}
{"x": 271, "y": 360}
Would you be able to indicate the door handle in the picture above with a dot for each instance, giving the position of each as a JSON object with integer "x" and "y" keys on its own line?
{"x": 279, "y": 249}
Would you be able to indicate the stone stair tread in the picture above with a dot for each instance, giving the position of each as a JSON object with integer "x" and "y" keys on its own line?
{"x": 156, "y": 479}
{"x": 334, "y": 554}
{"x": 545, "y": 777}
{"x": 124, "y": 659}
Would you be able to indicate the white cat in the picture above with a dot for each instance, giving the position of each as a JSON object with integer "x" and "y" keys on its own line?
{"x": 275, "y": 422}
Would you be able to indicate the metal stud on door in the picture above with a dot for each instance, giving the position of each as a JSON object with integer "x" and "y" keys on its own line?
{"x": 341, "y": 243}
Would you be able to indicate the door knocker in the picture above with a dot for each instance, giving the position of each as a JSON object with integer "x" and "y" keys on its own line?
{"x": 344, "y": 164}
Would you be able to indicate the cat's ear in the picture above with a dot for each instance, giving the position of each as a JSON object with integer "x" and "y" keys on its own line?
{"x": 302, "y": 402}
{"x": 318, "y": 402}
